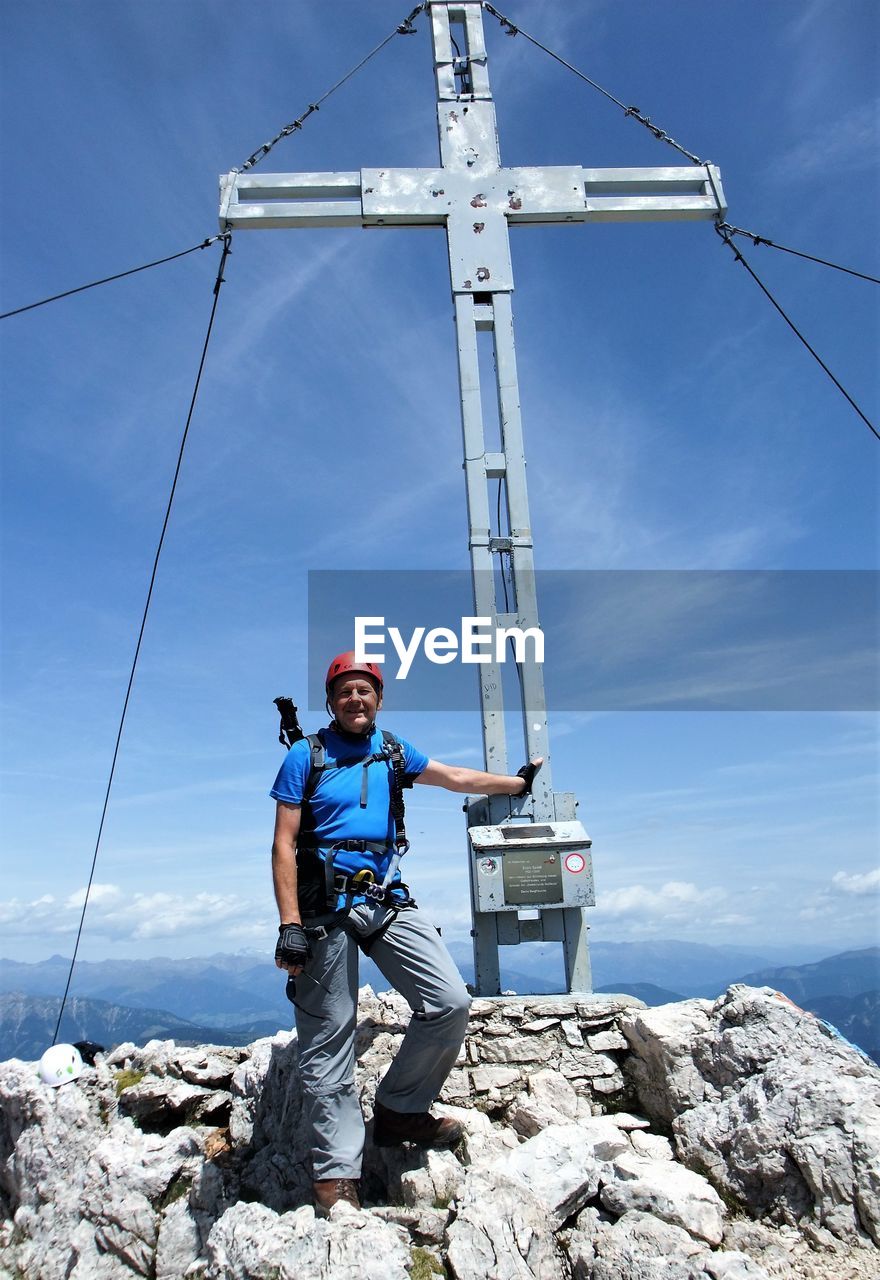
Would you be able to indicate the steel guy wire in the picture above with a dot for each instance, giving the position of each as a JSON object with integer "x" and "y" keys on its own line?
{"x": 756, "y": 239}
{"x": 120, "y": 275}
{"x": 514, "y": 30}
{"x": 404, "y": 28}
{"x": 739, "y": 257}
{"x": 227, "y": 242}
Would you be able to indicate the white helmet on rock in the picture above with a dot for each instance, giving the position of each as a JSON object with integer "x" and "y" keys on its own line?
{"x": 60, "y": 1064}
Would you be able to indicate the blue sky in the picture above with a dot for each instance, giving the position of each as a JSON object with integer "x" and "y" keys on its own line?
{"x": 671, "y": 422}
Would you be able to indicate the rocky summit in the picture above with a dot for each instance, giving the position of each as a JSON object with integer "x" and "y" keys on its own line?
{"x": 734, "y": 1139}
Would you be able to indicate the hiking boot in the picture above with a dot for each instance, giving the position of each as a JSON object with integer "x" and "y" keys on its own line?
{"x": 393, "y": 1127}
{"x": 329, "y": 1191}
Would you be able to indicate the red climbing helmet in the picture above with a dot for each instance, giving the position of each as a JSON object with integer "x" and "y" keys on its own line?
{"x": 345, "y": 664}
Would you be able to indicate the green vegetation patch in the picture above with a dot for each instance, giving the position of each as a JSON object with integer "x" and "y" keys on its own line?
{"x": 125, "y": 1080}
{"x": 176, "y": 1189}
{"x": 426, "y": 1265}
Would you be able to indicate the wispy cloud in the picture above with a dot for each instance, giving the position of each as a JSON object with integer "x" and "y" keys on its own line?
{"x": 116, "y": 914}
{"x": 518, "y": 69}
{"x": 224, "y": 787}
{"x": 845, "y": 906}
{"x": 859, "y": 883}
{"x": 793, "y": 760}
{"x": 601, "y": 460}
{"x": 672, "y": 903}
{"x": 851, "y": 140}
{"x": 270, "y": 297}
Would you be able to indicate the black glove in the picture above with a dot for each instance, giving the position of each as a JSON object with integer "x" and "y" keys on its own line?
{"x": 528, "y": 772}
{"x": 293, "y": 945}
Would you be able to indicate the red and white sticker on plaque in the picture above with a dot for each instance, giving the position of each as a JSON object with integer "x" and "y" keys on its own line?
{"x": 575, "y": 862}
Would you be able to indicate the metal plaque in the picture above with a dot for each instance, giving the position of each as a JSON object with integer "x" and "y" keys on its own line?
{"x": 531, "y": 877}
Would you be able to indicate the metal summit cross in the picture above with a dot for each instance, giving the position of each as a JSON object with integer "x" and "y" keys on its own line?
{"x": 476, "y": 199}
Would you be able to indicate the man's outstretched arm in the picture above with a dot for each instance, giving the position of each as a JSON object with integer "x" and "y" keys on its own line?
{"x": 456, "y": 778}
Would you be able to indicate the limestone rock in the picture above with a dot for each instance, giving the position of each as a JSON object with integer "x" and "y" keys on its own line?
{"x": 179, "y": 1245}
{"x": 668, "y": 1191}
{"x": 779, "y": 1115}
{"x": 606, "y": 1085}
{"x": 581, "y": 1254}
{"x": 471, "y": 1120}
{"x": 754, "y": 1093}
{"x": 607, "y": 1041}
{"x": 275, "y": 1170}
{"x": 606, "y": 1139}
{"x": 624, "y": 1120}
{"x": 153, "y": 1057}
{"x": 643, "y": 1247}
{"x": 481, "y": 1150}
{"x": 572, "y": 1033}
{"x": 640, "y": 1247}
{"x": 457, "y": 1087}
{"x": 501, "y": 1233}
{"x": 486, "y": 1079}
{"x": 351, "y": 1245}
{"x": 667, "y": 1079}
{"x": 212, "y": 1067}
{"x": 437, "y": 1183}
{"x": 652, "y": 1145}
{"x": 603, "y": 1009}
{"x": 559, "y": 1168}
{"x": 425, "y": 1226}
{"x": 156, "y": 1102}
{"x": 508, "y": 1048}
{"x": 247, "y": 1083}
{"x": 249, "y": 1241}
{"x": 88, "y": 1200}
{"x": 550, "y": 1099}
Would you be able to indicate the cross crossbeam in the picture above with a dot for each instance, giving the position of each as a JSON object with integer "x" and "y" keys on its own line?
{"x": 475, "y": 207}
{"x": 409, "y": 197}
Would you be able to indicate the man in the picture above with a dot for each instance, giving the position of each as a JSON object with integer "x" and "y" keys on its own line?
{"x": 338, "y": 837}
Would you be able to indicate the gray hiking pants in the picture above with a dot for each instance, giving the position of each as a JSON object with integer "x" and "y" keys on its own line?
{"x": 412, "y": 957}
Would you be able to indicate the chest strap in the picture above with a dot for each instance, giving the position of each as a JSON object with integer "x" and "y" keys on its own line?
{"x": 350, "y": 846}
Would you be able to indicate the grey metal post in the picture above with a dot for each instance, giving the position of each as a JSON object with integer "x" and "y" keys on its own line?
{"x": 476, "y": 200}
{"x": 469, "y": 145}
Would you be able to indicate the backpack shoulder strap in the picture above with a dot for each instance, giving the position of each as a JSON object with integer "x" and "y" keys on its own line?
{"x": 317, "y": 764}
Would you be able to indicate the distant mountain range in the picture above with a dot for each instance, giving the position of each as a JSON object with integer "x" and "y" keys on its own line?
{"x": 27, "y": 1024}
{"x": 645, "y": 991}
{"x": 851, "y": 973}
{"x": 693, "y": 969}
{"x": 856, "y": 1017}
{"x": 234, "y": 999}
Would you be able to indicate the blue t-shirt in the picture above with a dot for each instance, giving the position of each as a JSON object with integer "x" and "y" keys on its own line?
{"x": 336, "y": 801}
